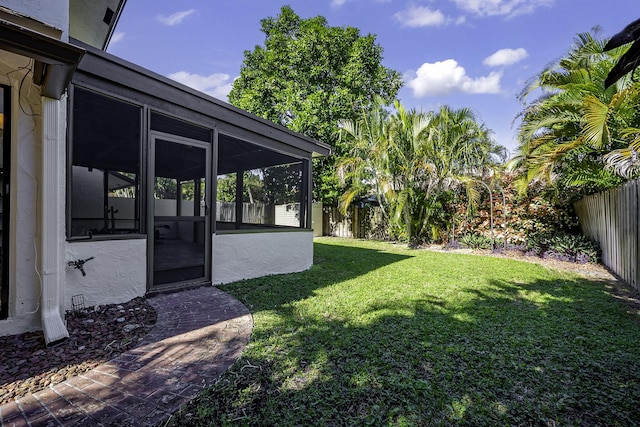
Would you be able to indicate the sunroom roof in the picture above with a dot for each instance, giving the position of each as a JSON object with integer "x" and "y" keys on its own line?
{"x": 100, "y": 66}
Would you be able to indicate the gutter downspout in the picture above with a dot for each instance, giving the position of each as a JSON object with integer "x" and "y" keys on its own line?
{"x": 53, "y": 324}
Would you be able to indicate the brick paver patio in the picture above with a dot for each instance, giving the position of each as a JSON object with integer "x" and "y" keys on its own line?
{"x": 198, "y": 335}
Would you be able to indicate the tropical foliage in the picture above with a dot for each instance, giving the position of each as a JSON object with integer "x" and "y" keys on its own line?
{"x": 253, "y": 188}
{"x": 576, "y": 132}
{"x": 535, "y": 223}
{"x": 516, "y": 215}
{"x": 413, "y": 162}
{"x": 563, "y": 247}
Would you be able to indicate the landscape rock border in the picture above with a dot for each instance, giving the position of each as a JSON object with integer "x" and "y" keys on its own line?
{"x": 96, "y": 335}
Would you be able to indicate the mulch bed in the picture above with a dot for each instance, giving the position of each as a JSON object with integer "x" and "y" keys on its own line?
{"x": 96, "y": 335}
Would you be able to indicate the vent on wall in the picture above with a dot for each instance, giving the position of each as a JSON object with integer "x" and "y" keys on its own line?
{"x": 108, "y": 16}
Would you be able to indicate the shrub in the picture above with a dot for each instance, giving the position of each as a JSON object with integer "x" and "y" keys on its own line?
{"x": 524, "y": 214}
{"x": 476, "y": 241}
{"x": 563, "y": 246}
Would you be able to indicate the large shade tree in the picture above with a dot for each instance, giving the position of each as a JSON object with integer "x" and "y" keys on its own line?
{"x": 308, "y": 76}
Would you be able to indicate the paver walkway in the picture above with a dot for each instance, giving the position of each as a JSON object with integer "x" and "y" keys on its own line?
{"x": 198, "y": 335}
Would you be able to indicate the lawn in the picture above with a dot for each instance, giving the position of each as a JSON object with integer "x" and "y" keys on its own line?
{"x": 377, "y": 334}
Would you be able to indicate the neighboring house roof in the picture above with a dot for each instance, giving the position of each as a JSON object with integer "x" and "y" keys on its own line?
{"x": 93, "y": 22}
{"x": 364, "y": 201}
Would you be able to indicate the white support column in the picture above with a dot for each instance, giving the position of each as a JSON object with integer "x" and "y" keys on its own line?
{"x": 49, "y": 217}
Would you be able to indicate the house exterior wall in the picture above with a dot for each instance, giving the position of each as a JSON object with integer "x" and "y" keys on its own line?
{"x": 238, "y": 256}
{"x": 41, "y": 280}
{"x": 26, "y": 144}
{"x": 38, "y": 126}
{"x": 117, "y": 274}
{"x": 288, "y": 215}
{"x": 52, "y": 12}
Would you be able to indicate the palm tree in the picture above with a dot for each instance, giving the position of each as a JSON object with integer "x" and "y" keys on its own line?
{"x": 566, "y": 132}
{"x": 411, "y": 158}
{"x": 412, "y": 171}
{"x": 364, "y": 169}
{"x": 385, "y": 158}
{"x": 465, "y": 152}
{"x": 624, "y": 161}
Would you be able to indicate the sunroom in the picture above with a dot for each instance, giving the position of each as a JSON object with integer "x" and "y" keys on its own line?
{"x": 168, "y": 187}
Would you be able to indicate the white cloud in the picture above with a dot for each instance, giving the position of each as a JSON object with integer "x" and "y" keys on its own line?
{"x": 505, "y": 57}
{"x": 339, "y": 3}
{"x": 461, "y": 20}
{"x": 175, "y": 18}
{"x": 116, "y": 38}
{"x": 420, "y": 17}
{"x": 446, "y": 77}
{"x": 501, "y": 7}
{"x": 217, "y": 85}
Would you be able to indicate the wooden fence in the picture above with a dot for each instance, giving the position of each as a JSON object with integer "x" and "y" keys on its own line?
{"x": 359, "y": 223}
{"x": 260, "y": 213}
{"x": 611, "y": 218}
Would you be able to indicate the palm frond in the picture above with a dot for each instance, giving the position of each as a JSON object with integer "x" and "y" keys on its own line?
{"x": 596, "y": 132}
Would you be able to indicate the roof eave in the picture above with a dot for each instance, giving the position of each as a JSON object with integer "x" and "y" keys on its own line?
{"x": 93, "y": 63}
{"x": 55, "y": 61}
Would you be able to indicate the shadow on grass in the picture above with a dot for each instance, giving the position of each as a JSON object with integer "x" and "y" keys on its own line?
{"x": 331, "y": 265}
{"x": 554, "y": 351}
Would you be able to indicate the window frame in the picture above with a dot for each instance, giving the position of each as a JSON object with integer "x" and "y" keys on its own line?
{"x": 239, "y": 224}
{"x": 140, "y": 199}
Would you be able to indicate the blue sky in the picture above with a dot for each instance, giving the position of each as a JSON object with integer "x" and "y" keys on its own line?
{"x": 462, "y": 53}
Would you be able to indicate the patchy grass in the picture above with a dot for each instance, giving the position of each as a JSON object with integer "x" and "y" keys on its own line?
{"x": 376, "y": 334}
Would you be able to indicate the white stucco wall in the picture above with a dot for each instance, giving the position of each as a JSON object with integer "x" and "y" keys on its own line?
{"x": 245, "y": 256}
{"x": 26, "y": 143}
{"x": 117, "y": 274}
{"x": 52, "y": 12}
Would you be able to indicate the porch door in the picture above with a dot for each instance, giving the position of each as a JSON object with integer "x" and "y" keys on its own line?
{"x": 180, "y": 235}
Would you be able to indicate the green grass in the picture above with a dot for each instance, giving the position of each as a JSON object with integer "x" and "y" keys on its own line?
{"x": 376, "y": 334}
